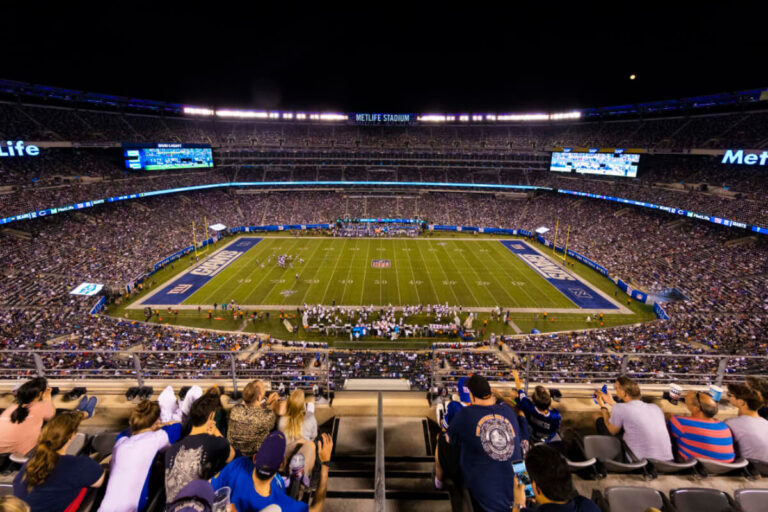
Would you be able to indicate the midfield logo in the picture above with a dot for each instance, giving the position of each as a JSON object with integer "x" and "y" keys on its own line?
{"x": 380, "y": 263}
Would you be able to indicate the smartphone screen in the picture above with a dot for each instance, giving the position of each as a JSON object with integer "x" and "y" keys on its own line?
{"x": 522, "y": 477}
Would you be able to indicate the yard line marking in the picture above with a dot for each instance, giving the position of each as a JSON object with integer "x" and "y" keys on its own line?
{"x": 335, "y": 266}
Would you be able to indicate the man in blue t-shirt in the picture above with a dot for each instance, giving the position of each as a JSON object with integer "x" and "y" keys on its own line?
{"x": 542, "y": 421}
{"x": 255, "y": 483}
{"x": 487, "y": 436}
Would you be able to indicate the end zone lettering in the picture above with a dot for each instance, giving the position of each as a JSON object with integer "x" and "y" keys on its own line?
{"x": 738, "y": 157}
{"x": 216, "y": 263}
{"x": 10, "y": 148}
{"x": 546, "y": 267}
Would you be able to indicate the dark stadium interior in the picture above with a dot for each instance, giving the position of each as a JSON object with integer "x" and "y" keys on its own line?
{"x": 490, "y": 99}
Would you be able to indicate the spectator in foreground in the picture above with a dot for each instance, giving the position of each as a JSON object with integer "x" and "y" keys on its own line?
{"x": 135, "y": 449}
{"x": 202, "y": 453}
{"x": 256, "y": 485}
{"x": 251, "y": 421}
{"x": 750, "y": 431}
{"x": 645, "y": 429}
{"x": 700, "y": 436}
{"x": 761, "y": 386}
{"x": 12, "y": 504}
{"x": 52, "y": 481}
{"x": 300, "y": 428}
{"x": 552, "y": 485}
{"x": 543, "y": 421}
{"x": 21, "y": 423}
{"x": 487, "y": 437}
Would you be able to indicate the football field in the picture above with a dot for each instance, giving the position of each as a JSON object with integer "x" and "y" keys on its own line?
{"x": 474, "y": 273}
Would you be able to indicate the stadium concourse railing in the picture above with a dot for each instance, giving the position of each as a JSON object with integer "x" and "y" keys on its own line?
{"x": 534, "y": 366}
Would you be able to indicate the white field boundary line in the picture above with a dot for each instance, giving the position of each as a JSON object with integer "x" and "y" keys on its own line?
{"x": 277, "y": 307}
{"x": 140, "y": 303}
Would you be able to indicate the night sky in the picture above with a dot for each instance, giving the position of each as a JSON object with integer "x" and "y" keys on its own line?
{"x": 414, "y": 57}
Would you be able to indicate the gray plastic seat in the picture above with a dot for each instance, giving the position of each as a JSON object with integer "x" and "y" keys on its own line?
{"x": 752, "y": 500}
{"x": 633, "y": 499}
{"x": 6, "y": 489}
{"x": 700, "y": 500}
{"x": 669, "y": 467}
{"x": 580, "y": 464}
{"x": 714, "y": 467}
{"x": 608, "y": 450}
{"x": 103, "y": 444}
{"x": 77, "y": 444}
{"x": 759, "y": 466}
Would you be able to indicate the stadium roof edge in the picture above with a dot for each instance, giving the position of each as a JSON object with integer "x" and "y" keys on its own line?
{"x": 725, "y": 100}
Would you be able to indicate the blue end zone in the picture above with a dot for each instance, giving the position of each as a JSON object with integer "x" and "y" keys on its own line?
{"x": 182, "y": 288}
{"x": 579, "y": 293}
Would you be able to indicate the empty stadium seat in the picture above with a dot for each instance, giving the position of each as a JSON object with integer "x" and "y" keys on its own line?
{"x": 713, "y": 467}
{"x": 77, "y": 444}
{"x": 758, "y": 467}
{"x": 700, "y": 500}
{"x": 752, "y": 500}
{"x": 633, "y": 499}
{"x": 671, "y": 467}
{"x": 102, "y": 444}
{"x": 609, "y": 451}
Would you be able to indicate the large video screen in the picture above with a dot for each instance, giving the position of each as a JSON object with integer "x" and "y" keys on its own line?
{"x": 604, "y": 164}
{"x": 163, "y": 156}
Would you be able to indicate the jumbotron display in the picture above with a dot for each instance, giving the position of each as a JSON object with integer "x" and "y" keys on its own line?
{"x": 163, "y": 156}
{"x": 604, "y": 164}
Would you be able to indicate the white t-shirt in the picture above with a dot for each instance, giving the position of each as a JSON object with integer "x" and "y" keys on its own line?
{"x": 131, "y": 460}
{"x": 751, "y": 436}
{"x": 645, "y": 429}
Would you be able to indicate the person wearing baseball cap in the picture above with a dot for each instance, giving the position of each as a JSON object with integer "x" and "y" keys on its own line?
{"x": 447, "y": 460}
{"x": 487, "y": 436}
{"x": 256, "y": 485}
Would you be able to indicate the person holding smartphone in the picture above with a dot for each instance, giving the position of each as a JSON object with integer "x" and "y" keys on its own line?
{"x": 550, "y": 480}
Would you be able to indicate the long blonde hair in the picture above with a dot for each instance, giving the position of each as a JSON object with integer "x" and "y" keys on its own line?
{"x": 295, "y": 413}
{"x": 53, "y": 437}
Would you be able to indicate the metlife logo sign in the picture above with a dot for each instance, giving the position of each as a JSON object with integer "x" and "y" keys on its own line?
{"x": 10, "y": 148}
{"x": 737, "y": 156}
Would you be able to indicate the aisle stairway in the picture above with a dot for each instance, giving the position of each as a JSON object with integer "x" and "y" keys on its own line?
{"x": 408, "y": 464}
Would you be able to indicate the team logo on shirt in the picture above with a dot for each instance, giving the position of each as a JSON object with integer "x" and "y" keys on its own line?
{"x": 497, "y": 437}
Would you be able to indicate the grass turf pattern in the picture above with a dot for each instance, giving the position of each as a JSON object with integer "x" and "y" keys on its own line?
{"x": 471, "y": 273}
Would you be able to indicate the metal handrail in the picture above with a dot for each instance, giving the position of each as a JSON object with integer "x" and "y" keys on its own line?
{"x": 380, "y": 491}
{"x": 143, "y": 364}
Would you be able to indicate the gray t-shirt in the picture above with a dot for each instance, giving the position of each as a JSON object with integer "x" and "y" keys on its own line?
{"x": 751, "y": 436}
{"x": 645, "y": 429}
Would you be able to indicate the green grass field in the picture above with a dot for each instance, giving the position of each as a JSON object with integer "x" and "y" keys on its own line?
{"x": 473, "y": 273}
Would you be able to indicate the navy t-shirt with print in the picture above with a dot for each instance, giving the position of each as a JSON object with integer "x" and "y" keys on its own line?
{"x": 71, "y": 475}
{"x": 195, "y": 457}
{"x": 488, "y": 439}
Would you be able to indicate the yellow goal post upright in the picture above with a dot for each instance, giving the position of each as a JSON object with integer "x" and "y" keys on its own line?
{"x": 194, "y": 239}
{"x": 565, "y": 251}
{"x": 554, "y": 244}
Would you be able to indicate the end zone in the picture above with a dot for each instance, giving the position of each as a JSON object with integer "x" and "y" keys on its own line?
{"x": 180, "y": 289}
{"x": 573, "y": 287}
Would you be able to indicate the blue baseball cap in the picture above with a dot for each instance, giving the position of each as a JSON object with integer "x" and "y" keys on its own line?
{"x": 464, "y": 390}
{"x": 270, "y": 455}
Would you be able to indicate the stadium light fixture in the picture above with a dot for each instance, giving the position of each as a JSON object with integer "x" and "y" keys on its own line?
{"x": 242, "y": 114}
{"x": 197, "y": 111}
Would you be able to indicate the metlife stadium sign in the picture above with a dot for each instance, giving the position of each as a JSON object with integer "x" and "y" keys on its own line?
{"x": 737, "y": 156}
{"x": 10, "y": 148}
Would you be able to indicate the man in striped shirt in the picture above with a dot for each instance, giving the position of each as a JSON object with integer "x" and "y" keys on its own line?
{"x": 700, "y": 435}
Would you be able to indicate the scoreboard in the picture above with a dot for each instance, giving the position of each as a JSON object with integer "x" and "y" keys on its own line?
{"x": 614, "y": 163}
{"x": 163, "y": 156}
